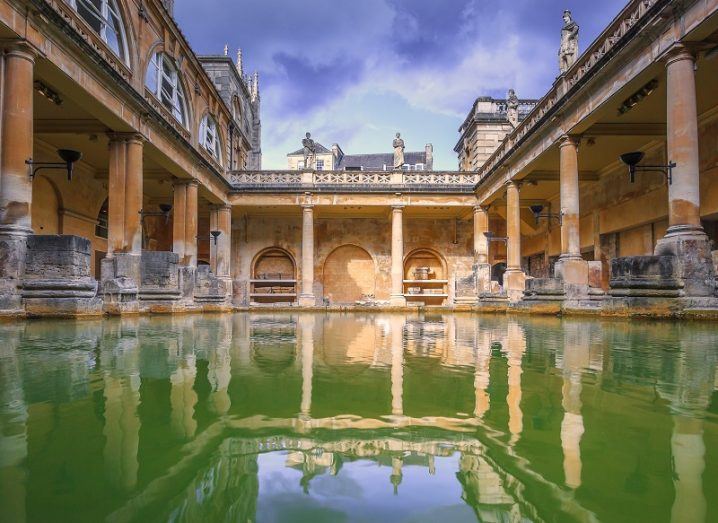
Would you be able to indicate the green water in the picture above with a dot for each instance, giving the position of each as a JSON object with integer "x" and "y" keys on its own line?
{"x": 358, "y": 418}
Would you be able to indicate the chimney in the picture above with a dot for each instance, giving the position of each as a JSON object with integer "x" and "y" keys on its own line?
{"x": 429, "y": 152}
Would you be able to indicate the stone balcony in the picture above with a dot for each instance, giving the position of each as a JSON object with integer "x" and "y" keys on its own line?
{"x": 355, "y": 181}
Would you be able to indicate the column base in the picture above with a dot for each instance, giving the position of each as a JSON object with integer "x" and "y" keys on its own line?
{"x": 483, "y": 278}
{"x": 307, "y": 300}
{"x": 572, "y": 270}
{"x": 13, "y": 248}
{"x": 514, "y": 284}
{"x": 120, "y": 283}
{"x": 397, "y": 300}
{"x": 691, "y": 248}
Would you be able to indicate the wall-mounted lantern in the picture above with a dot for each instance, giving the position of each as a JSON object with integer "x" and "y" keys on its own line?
{"x": 633, "y": 159}
{"x": 215, "y": 235}
{"x": 538, "y": 213}
{"x": 68, "y": 156}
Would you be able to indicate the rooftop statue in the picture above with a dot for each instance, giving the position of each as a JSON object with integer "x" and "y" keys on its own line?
{"x": 398, "y": 145}
{"x": 310, "y": 152}
{"x": 568, "y": 53}
{"x": 512, "y": 107}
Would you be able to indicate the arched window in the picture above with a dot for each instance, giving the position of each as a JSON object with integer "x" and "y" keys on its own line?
{"x": 209, "y": 136}
{"x": 102, "y": 220}
{"x": 104, "y": 17}
{"x": 163, "y": 80}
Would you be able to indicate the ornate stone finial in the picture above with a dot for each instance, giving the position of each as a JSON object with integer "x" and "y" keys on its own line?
{"x": 568, "y": 52}
{"x": 398, "y": 145}
{"x": 512, "y": 108}
{"x": 240, "y": 63}
{"x": 255, "y": 86}
{"x": 226, "y": 49}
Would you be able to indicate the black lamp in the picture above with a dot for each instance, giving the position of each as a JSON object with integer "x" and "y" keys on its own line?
{"x": 538, "y": 213}
{"x": 492, "y": 238}
{"x": 633, "y": 159}
{"x": 215, "y": 235}
{"x": 68, "y": 156}
{"x": 165, "y": 209}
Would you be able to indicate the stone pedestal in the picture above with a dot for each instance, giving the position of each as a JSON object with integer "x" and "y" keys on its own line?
{"x": 572, "y": 270}
{"x": 12, "y": 266}
{"x": 514, "y": 284}
{"x": 693, "y": 261}
{"x": 57, "y": 280}
{"x": 211, "y": 291}
{"x": 120, "y": 289}
{"x": 160, "y": 289}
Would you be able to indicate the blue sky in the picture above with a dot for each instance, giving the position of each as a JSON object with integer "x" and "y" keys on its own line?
{"x": 357, "y": 71}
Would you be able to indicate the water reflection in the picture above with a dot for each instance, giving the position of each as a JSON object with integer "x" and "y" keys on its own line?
{"x": 259, "y": 417}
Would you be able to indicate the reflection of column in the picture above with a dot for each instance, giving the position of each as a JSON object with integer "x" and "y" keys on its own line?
{"x": 307, "y": 298}
{"x": 183, "y": 398}
{"x": 576, "y": 357}
{"x": 688, "y": 451}
{"x": 481, "y": 374}
{"x": 396, "y": 473}
{"x": 307, "y": 326}
{"x": 219, "y": 372}
{"x": 516, "y": 342}
{"x": 13, "y": 429}
{"x": 15, "y": 184}
{"x": 120, "y": 357}
{"x": 571, "y": 267}
{"x": 397, "y": 365}
{"x": 514, "y": 278}
{"x": 397, "y": 256}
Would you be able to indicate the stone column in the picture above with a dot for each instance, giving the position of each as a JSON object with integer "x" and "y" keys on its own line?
{"x": 306, "y": 296}
{"x": 481, "y": 249}
{"x": 184, "y": 225}
{"x": 514, "y": 278}
{"x": 685, "y": 237}
{"x": 220, "y": 219}
{"x": 121, "y": 267}
{"x": 571, "y": 267}
{"x": 15, "y": 184}
{"x": 397, "y": 256}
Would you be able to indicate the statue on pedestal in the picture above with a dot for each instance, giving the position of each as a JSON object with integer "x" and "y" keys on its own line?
{"x": 512, "y": 108}
{"x": 568, "y": 52}
{"x": 310, "y": 152}
{"x": 398, "y": 145}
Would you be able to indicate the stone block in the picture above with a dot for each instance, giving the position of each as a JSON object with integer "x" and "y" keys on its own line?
{"x": 12, "y": 266}
{"x": 120, "y": 283}
{"x": 573, "y": 271}
{"x": 549, "y": 289}
{"x": 514, "y": 285}
{"x": 595, "y": 274}
{"x": 693, "y": 261}
{"x": 160, "y": 278}
{"x": 656, "y": 276}
{"x": 209, "y": 289}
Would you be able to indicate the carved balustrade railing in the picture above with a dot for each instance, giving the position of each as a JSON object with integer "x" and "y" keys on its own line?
{"x": 355, "y": 180}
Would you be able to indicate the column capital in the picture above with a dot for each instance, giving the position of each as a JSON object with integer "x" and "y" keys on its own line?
{"x": 514, "y": 183}
{"x": 307, "y": 207}
{"x": 482, "y": 207}
{"x": 220, "y": 207}
{"x": 133, "y": 137}
{"x": 569, "y": 140}
{"x": 397, "y": 208}
{"x": 678, "y": 53}
{"x": 181, "y": 182}
{"x": 20, "y": 49}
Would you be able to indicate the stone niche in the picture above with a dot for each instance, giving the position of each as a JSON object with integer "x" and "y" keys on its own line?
{"x": 57, "y": 279}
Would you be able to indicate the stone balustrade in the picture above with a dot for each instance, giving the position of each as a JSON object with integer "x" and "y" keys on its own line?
{"x": 439, "y": 181}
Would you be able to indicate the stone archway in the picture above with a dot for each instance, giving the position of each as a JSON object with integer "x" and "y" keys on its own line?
{"x": 349, "y": 275}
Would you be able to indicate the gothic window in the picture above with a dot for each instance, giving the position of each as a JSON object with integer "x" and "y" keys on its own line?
{"x": 163, "y": 80}
{"x": 104, "y": 17}
{"x": 209, "y": 136}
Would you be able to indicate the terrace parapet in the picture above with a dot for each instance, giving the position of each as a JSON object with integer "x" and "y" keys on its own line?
{"x": 359, "y": 181}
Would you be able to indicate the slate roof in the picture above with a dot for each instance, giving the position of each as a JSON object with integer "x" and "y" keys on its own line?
{"x": 376, "y": 162}
{"x": 320, "y": 150}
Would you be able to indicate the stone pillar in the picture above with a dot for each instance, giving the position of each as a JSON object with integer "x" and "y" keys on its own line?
{"x": 514, "y": 278}
{"x": 571, "y": 267}
{"x": 397, "y": 256}
{"x": 481, "y": 249}
{"x": 184, "y": 225}
{"x": 306, "y": 296}
{"x": 121, "y": 267}
{"x": 685, "y": 237}
{"x": 220, "y": 219}
{"x": 15, "y": 183}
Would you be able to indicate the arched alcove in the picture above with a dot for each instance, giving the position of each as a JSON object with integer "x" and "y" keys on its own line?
{"x": 426, "y": 277}
{"x": 45, "y": 207}
{"x": 274, "y": 277}
{"x": 349, "y": 275}
{"x": 497, "y": 272}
